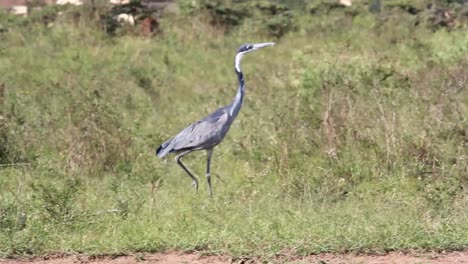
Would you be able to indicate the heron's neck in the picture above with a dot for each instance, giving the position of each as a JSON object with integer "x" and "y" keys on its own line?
{"x": 237, "y": 103}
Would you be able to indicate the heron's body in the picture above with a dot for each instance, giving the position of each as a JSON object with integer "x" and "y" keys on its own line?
{"x": 203, "y": 134}
{"x": 208, "y": 132}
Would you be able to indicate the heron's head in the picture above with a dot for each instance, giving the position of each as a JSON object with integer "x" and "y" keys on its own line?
{"x": 246, "y": 48}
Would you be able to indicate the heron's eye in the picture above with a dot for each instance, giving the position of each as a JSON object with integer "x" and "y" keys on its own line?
{"x": 250, "y": 47}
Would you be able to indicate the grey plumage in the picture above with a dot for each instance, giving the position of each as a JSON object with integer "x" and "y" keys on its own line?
{"x": 209, "y": 131}
{"x": 203, "y": 134}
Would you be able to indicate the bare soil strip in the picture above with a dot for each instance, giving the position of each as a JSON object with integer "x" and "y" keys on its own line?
{"x": 176, "y": 257}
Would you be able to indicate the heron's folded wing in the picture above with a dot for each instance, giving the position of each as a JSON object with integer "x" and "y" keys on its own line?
{"x": 204, "y": 133}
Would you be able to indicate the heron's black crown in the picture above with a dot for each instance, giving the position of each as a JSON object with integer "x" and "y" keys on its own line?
{"x": 245, "y": 47}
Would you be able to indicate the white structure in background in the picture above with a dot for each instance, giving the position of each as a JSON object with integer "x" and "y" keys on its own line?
{"x": 119, "y": 2}
{"x": 21, "y": 10}
{"x": 126, "y": 19}
{"x": 123, "y": 18}
{"x": 346, "y": 2}
{"x": 71, "y": 2}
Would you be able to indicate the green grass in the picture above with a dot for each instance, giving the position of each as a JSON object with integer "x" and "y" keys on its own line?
{"x": 352, "y": 137}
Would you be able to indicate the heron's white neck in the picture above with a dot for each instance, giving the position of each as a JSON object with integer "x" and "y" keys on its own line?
{"x": 237, "y": 103}
{"x": 238, "y": 60}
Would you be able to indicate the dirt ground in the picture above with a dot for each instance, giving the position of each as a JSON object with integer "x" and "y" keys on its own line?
{"x": 175, "y": 257}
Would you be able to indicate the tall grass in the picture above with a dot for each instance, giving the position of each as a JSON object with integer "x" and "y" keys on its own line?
{"x": 353, "y": 136}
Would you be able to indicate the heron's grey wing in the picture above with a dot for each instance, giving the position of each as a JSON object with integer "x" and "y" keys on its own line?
{"x": 205, "y": 133}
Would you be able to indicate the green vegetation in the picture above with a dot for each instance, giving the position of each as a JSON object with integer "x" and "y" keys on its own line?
{"x": 353, "y": 135}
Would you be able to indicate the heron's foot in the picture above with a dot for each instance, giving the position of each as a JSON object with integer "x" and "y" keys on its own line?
{"x": 195, "y": 185}
{"x": 210, "y": 191}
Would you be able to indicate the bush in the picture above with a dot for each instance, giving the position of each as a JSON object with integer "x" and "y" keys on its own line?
{"x": 274, "y": 19}
{"x": 94, "y": 138}
{"x": 12, "y": 150}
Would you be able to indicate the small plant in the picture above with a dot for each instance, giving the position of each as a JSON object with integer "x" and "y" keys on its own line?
{"x": 11, "y": 218}
{"x": 58, "y": 202}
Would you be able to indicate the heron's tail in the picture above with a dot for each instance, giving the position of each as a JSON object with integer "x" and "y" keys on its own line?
{"x": 164, "y": 149}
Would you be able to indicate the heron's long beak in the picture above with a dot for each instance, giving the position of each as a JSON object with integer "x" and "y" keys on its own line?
{"x": 262, "y": 45}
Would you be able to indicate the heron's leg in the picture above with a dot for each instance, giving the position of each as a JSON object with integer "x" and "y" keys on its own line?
{"x": 194, "y": 180}
{"x": 209, "y": 152}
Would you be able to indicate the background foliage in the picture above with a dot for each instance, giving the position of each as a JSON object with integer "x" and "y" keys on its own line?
{"x": 353, "y": 135}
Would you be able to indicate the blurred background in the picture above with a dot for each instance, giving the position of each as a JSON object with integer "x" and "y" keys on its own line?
{"x": 353, "y": 135}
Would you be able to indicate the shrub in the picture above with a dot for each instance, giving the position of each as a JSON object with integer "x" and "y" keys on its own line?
{"x": 94, "y": 138}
